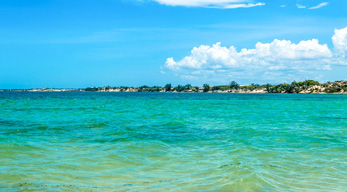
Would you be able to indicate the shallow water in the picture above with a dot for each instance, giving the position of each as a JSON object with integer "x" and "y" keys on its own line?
{"x": 172, "y": 142}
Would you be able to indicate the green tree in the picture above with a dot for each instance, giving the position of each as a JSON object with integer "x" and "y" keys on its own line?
{"x": 206, "y": 87}
{"x": 188, "y": 86}
{"x": 144, "y": 87}
{"x": 92, "y": 89}
{"x": 195, "y": 89}
{"x": 234, "y": 85}
{"x": 155, "y": 89}
{"x": 168, "y": 87}
{"x": 310, "y": 83}
{"x": 294, "y": 87}
{"x": 215, "y": 88}
{"x": 268, "y": 88}
{"x": 179, "y": 88}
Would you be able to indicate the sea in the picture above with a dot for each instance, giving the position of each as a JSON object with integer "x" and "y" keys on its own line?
{"x": 93, "y": 141}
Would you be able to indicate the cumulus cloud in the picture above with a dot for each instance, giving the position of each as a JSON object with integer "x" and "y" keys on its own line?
{"x": 320, "y": 5}
{"x": 340, "y": 42}
{"x": 280, "y": 58}
{"x": 223, "y": 4}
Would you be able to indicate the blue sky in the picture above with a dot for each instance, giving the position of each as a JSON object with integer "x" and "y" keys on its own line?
{"x": 64, "y": 43}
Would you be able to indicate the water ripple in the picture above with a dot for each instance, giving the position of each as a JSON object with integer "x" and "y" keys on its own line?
{"x": 172, "y": 142}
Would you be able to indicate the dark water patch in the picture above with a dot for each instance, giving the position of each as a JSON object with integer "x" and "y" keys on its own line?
{"x": 51, "y": 109}
{"x": 33, "y": 186}
{"x": 96, "y": 125}
{"x": 10, "y": 123}
{"x": 334, "y": 118}
{"x": 229, "y": 165}
{"x": 49, "y": 187}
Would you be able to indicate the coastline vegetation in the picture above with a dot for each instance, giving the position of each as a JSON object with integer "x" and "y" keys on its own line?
{"x": 301, "y": 87}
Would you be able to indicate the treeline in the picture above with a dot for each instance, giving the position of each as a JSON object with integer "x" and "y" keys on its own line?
{"x": 168, "y": 88}
{"x": 294, "y": 87}
{"x": 307, "y": 86}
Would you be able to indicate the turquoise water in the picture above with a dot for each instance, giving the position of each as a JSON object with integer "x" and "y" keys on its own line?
{"x": 172, "y": 142}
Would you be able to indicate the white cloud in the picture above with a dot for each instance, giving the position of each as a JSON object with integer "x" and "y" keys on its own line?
{"x": 320, "y": 5}
{"x": 340, "y": 42}
{"x": 280, "y": 59}
{"x": 301, "y": 6}
{"x": 234, "y": 6}
{"x": 223, "y": 4}
{"x": 314, "y": 7}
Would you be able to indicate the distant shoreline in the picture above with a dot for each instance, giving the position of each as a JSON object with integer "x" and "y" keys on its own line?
{"x": 241, "y": 92}
{"x": 305, "y": 87}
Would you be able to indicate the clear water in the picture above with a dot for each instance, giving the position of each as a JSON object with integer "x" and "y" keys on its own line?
{"x": 172, "y": 142}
